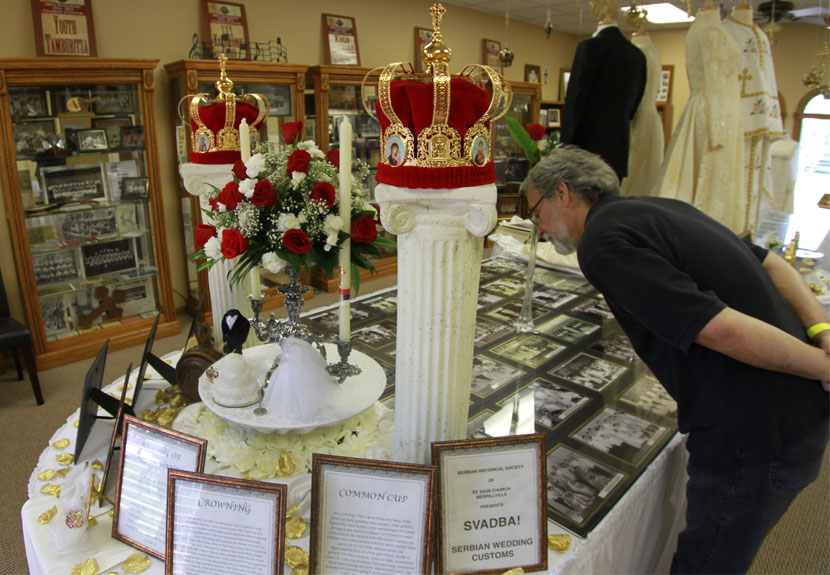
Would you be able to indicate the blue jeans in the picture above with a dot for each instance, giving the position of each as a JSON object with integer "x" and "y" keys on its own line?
{"x": 729, "y": 512}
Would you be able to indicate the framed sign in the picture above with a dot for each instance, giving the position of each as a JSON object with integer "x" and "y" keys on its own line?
{"x": 533, "y": 73}
{"x": 64, "y": 28}
{"x": 423, "y": 36}
{"x": 368, "y": 515}
{"x": 491, "y": 504}
{"x": 340, "y": 40}
{"x": 243, "y": 518}
{"x": 666, "y": 78}
{"x": 490, "y": 54}
{"x": 224, "y": 24}
{"x": 147, "y": 451}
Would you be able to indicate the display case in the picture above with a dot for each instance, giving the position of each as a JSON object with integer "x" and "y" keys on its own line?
{"x": 283, "y": 85}
{"x": 334, "y": 93}
{"x": 81, "y": 186}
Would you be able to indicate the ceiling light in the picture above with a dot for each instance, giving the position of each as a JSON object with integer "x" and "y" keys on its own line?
{"x": 665, "y": 13}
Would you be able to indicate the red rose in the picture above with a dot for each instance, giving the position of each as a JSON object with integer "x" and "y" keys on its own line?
{"x": 264, "y": 194}
{"x": 230, "y": 196}
{"x": 296, "y": 241}
{"x": 202, "y": 234}
{"x": 233, "y": 243}
{"x": 239, "y": 170}
{"x": 290, "y": 131}
{"x": 364, "y": 230}
{"x": 535, "y": 131}
{"x": 298, "y": 161}
{"x": 323, "y": 192}
{"x": 333, "y": 156}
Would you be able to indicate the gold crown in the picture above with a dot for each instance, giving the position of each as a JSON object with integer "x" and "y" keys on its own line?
{"x": 637, "y": 17}
{"x": 605, "y": 10}
{"x": 218, "y": 131}
{"x": 439, "y": 144}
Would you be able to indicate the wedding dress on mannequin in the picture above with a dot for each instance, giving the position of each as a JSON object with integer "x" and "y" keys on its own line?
{"x": 704, "y": 161}
{"x": 645, "y": 153}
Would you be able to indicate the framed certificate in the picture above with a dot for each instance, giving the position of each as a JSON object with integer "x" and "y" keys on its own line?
{"x": 491, "y": 504}
{"x": 490, "y": 54}
{"x": 368, "y": 515}
{"x": 147, "y": 451}
{"x": 242, "y": 518}
{"x": 225, "y": 26}
{"x": 64, "y": 28}
{"x": 340, "y": 40}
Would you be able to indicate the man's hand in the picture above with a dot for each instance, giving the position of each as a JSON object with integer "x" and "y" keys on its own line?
{"x": 822, "y": 340}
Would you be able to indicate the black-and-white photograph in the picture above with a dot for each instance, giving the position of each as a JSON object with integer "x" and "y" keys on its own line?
{"x": 567, "y": 328}
{"x": 503, "y": 266}
{"x": 126, "y": 217}
{"x": 57, "y": 266}
{"x": 490, "y": 375}
{"x": 112, "y": 126}
{"x": 329, "y": 322}
{"x": 278, "y": 96}
{"x": 113, "y": 100}
{"x": 547, "y": 277}
{"x": 489, "y": 424}
{"x": 65, "y": 184}
{"x": 378, "y": 335}
{"x": 135, "y": 298}
{"x": 589, "y": 371}
{"x": 550, "y": 297}
{"x": 595, "y": 308}
{"x": 551, "y": 403}
{"x": 34, "y": 137}
{"x": 53, "y": 310}
{"x": 510, "y": 312}
{"x": 135, "y": 188}
{"x": 488, "y": 331}
{"x": 487, "y": 299}
{"x": 620, "y": 434}
{"x": 108, "y": 257}
{"x": 92, "y": 140}
{"x": 574, "y": 284}
{"x": 505, "y": 286}
{"x": 616, "y": 345}
{"x": 90, "y": 224}
{"x": 577, "y": 485}
{"x": 386, "y": 304}
{"x": 649, "y": 394}
{"x": 28, "y": 102}
{"x": 528, "y": 349}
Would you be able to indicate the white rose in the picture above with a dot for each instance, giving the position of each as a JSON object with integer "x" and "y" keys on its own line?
{"x": 332, "y": 225}
{"x": 288, "y": 221}
{"x": 254, "y": 165}
{"x": 332, "y": 240}
{"x": 327, "y": 248}
{"x": 213, "y": 248}
{"x": 296, "y": 179}
{"x": 542, "y": 145}
{"x": 273, "y": 263}
{"x": 246, "y": 187}
{"x": 311, "y": 147}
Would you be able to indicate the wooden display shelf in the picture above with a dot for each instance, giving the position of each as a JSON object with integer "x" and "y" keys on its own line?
{"x": 384, "y": 266}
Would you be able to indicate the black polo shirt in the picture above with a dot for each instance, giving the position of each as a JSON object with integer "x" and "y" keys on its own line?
{"x": 666, "y": 269}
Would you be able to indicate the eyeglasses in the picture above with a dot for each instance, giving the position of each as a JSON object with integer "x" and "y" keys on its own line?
{"x": 532, "y": 213}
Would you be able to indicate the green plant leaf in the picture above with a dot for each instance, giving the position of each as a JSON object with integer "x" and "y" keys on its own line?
{"x": 522, "y": 138}
{"x": 355, "y": 279}
{"x": 385, "y": 243}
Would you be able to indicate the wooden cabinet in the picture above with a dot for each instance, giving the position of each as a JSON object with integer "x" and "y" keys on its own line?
{"x": 81, "y": 187}
{"x": 283, "y": 85}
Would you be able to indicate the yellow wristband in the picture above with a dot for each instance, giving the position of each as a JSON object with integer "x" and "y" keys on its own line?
{"x": 813, "y": 331}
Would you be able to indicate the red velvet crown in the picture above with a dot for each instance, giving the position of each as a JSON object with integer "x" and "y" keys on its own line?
{"x": 213, "y": 117}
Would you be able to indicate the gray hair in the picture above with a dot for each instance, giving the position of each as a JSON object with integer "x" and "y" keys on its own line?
{"x": 586, "y": 174}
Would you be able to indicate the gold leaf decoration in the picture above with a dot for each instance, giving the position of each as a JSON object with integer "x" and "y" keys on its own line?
{"x": 47, "y": 475}
{"x": 46, "y": 516}
{"x": 295, "y": 556}
{"x": 62, "y": 472}
{"x": 88, "y": 567}
{"x": 300, "y": 570}
{"x": 136, "y": 563}
{"x": 51, "y": 489}
{"x": 286, "y": 465}
{"x": 65, "y": 458}
{"x": 514, "y": 571}
{"x": 178, "y": 402}
{"x": 292, "y": 510}
{"x": 76, "y": 423}
{"x": 149, "y": 415}
{"x": 294, "y": 528}
{"x": 97, "y": 465}
{"x": 61, "y": 443}
{"x": 121, "y": 387}
{"x": 92, "y": 522}
{"x": 559, "y": 543}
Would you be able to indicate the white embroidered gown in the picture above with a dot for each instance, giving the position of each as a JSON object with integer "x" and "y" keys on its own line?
{"x": 704, "y": 161}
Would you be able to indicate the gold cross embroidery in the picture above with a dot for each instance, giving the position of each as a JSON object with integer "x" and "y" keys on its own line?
{"x": 744, "y": 77}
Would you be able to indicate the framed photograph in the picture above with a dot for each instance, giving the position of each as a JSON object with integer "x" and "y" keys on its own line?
{"x": 620, "y": 434}
{"x": 340, "y": 40}
{"x": 580, "y": 489}
{"x": 35, "y": 136}
{"x": 569, "y": 329}
{"x": 112, "y": 126}
{"x": 135, "y": 188}
{"x": 551, "y": 297}
{"x": 28, "y": 102}
{"x": 126, "y": 219}
{"x": 225, "y": 26}
{"x": 510, "y": 312}
{"x": 384, "y": 305}
{"x": 64, "y": 28}
{"x": 564, "y": 78}
{"x": 423, "y": 36}
{"x": 490, "y": 375}
{"x": 116, "y": 99}
{"x": 488, "y": 331}
{"x": 505, "y": 286}
{"x": 367, "y": 515}
{"x": 208, "y": 512}
{"x": 648, "y": 395}
{"x": 78, "y": 183}
{"x": 589, "y": 371}
{"x": 86, "y": 225}
{"x": 147, "y": 452}
{"x": 596, "y": 309}
{"x": 490, "y": 54}
{"x": 574, "y": 284}
{"x": 136, "y": 297}
{"x": 108, "y": 257}
{"x": 528, "y": 349}
{"x": 54, "y": 267}
{"x": 486, "y": 299}
{"x": 491, "y": 496}
{"x": 554, "y": 118}
{"x": 533, "y": 73}
{"x": 278, "y": 96}
{"x": 551, "y": 403}
{"x": 666, "y": 78}
{"x": 378, "y": 335}
{"x": 616, "y": 345}
{"x": 53, "y": 312}
{"x": 132, "y": 137}
{"x": 92, "y": 140}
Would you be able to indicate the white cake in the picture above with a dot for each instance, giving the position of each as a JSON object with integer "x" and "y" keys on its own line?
{"x": 234, "y": 386}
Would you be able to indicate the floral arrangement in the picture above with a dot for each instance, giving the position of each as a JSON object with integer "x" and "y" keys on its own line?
{"x": 281, "y": 210}
{"x": 533, "y": 139}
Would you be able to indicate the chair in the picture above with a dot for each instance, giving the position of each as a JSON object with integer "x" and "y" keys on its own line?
{"x": 16, "y": 337}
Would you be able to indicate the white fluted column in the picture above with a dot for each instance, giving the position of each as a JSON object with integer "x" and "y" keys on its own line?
{"x": 440, "y": 240}
{"x": 197, "y": 180}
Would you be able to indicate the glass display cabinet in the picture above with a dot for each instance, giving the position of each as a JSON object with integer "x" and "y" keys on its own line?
{"x": 81, "y": 187}
{"x": 283, "y": 85}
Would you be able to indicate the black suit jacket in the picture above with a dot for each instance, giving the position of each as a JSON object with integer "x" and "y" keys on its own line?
{"x": 607, "y": 81}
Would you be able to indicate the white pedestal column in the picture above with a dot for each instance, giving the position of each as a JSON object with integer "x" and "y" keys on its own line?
{"x": 222, "y": 296}
{"x": 440, "y": 239}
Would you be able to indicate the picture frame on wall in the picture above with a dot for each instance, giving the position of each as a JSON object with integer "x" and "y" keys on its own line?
{"x": 554, "y": 118}
{"x": 225, "y": 26}
{"x": 666, "y": 79}
{"x": 64, "y": 28}
{"x": 533, "y": 73}
{"x": 490, "y": 53}
{"x": 340, "y": 40}
{"x": 423, "y": 36}
{"x": 92, "y": 140}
